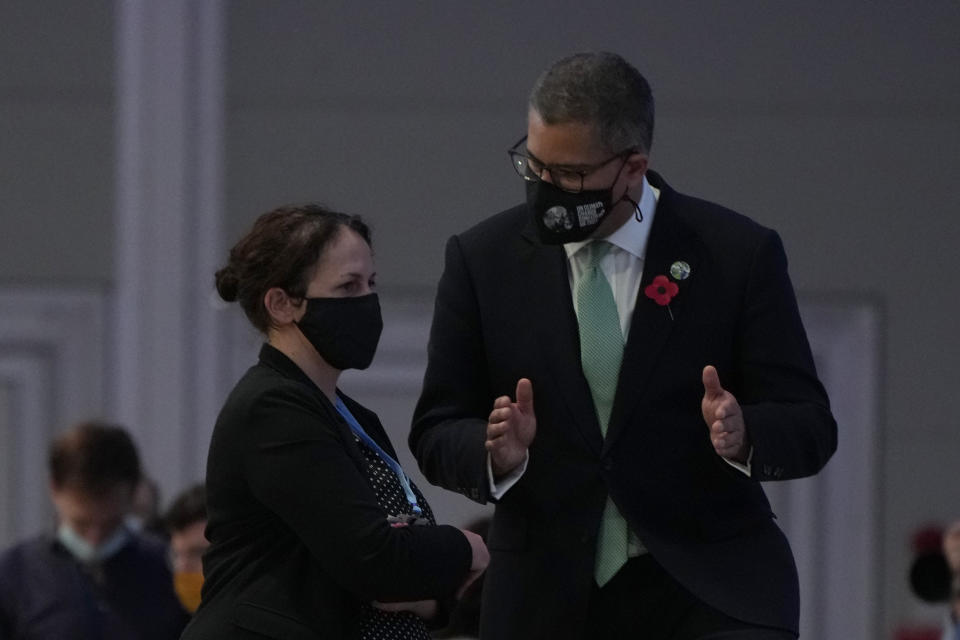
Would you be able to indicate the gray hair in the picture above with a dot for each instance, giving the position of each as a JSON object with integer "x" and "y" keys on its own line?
{"x": 601, "y": 89}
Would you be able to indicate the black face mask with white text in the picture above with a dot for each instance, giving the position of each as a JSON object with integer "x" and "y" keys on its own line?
{"x": 561, "y": 216}
{"x": 344, "y": 331}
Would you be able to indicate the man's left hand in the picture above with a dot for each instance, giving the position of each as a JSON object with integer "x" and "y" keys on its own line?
{"x": 723, "y": 416}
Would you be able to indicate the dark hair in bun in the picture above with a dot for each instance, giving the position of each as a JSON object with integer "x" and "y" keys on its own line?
{"x": 227, "y": 284}
{"x": 279, "y": 251}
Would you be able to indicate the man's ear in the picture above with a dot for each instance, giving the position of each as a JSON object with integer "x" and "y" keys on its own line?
{"x": 635, "y": 168}
{"x": 280, "y": 306}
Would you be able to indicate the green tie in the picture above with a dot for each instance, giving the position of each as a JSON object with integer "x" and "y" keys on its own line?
{"x": 601, "y": 351}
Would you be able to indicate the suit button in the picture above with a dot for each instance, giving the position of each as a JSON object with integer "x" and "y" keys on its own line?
{"x": 608, "y": 465}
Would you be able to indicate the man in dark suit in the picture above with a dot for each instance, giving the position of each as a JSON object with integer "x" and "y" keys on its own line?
{"x": 618, "y": 366}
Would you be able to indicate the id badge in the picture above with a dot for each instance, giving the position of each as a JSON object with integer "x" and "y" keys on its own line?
{"x": 405, "y": 520}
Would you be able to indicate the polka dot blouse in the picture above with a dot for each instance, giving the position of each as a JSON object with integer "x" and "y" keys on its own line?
{"x": 376, "y": 624}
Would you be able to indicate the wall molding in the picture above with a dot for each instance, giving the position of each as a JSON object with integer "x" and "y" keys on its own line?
{"x": 52, "y": 357}
{"x": 833, "y": 519}
{"x": 167, "y": 361}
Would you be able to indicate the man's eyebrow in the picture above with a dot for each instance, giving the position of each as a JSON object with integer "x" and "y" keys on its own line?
{"x": 570, "y": 167}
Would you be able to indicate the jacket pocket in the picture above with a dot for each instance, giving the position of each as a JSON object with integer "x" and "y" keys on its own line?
{"x": 270, "y": 623}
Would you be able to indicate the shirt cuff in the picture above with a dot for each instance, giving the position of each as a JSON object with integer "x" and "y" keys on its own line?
{"x": 744, "y": 468}
{"x": 499, "y": 489}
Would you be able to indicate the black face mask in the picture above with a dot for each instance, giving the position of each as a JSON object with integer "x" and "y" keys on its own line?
{"x": 563, "y": 217}
{"x": 344, "y": 331}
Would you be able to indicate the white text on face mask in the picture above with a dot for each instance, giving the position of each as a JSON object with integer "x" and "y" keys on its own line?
{"x": 589, "y": 213}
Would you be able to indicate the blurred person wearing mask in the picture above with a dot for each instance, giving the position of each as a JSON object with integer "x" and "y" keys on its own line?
{"x": 315, "y": 530}
{"x": 93, "y": 579}
{"x": 185, "y": 521}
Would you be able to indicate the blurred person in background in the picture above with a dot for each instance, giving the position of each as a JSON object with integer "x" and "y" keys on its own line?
{"x": 185, "y": 521}
{"x": 145, "y": 510}
{"x": 934, "y": 578}
{"x": 315, "y": 530}
{"x": 93, "y": 578}
{"x": 951, "y": 551}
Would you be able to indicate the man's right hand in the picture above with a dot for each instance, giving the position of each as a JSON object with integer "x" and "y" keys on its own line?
{"x": 510, "y": 429}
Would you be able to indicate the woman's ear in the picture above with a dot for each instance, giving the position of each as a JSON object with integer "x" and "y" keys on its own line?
{"x": 281, "y": 307}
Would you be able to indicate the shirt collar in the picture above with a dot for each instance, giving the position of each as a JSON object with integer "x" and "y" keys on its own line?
{"x": 632, "y": 235}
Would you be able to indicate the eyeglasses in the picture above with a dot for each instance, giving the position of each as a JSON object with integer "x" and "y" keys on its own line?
{"x": 567, "y": 178}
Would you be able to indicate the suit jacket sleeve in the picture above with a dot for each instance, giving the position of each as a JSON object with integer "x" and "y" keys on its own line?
{"x": 300, "y": 469}
{"x": 784, "y": 404}
{"x": 449, "y": 424}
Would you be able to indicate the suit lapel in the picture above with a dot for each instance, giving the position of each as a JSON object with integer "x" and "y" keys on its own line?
{"x": 651, "y": 325}
{"x": 551, "y": 311}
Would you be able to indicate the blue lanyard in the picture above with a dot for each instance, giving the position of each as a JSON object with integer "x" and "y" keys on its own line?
{"x": 370, "y": 442}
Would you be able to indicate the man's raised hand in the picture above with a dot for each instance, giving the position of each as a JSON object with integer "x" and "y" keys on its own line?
{"x": 510, "y": 429}
{"x": 723, "y": 416}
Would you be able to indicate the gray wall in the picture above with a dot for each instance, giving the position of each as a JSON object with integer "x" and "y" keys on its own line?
{"x": 56, "y": 141}
{"x": 837, "y": 125}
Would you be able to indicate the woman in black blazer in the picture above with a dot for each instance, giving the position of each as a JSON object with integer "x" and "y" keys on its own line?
{"x": 315, "y": 531}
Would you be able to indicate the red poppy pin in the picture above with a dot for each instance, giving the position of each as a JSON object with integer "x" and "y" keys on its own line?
{"x": 662, "y": 289}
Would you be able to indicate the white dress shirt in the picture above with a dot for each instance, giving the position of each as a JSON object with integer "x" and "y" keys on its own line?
{"x": 623, "y": 264}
